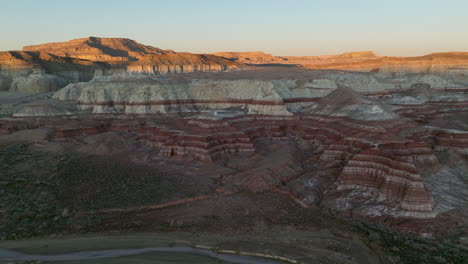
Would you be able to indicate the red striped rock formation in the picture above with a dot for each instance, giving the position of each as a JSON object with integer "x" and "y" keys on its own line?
{"x": 347, "y": 102}
{"x": 398, "y": 182}
{"x": 426, "y": 112}
{"x": 202, "y": 138}
{"x": 443, "y": 139}
{"x": 418, "y": 153}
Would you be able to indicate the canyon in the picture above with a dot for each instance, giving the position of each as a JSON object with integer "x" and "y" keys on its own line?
{"x": 382, "y": 140}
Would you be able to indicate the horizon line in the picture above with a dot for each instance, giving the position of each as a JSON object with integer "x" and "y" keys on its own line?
{"x": 242, "y": 51}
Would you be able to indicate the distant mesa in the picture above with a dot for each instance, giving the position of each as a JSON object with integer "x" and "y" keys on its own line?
{"x": 78, "y": 60}
{"x": 51, "y": 66}
{"x": 258, "y": 57}
{"x": 135, "y": 56}
{"x": 112, "y": 50}
{"x": 358, "y": 54}
{"x": 365, "y": 61}
{"x": 252, "y": 57}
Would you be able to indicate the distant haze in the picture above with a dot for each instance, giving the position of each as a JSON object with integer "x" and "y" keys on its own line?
{"x": 279, "y": 27}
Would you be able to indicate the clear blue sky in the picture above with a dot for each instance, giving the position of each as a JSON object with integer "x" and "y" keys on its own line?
{"x": 281, "y": 27}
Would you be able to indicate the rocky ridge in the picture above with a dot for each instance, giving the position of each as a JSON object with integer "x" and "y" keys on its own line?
{"x": 51, "y": 66}
{"x": 367, "y": 61}
{"x": 143, "y": 95}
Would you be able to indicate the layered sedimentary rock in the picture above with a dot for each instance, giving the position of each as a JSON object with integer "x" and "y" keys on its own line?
{"x": 398, "y": 182}
{"x": 204, "y": 137}
{"x": 80, "y": 60}
{"x": 414, "y": 152}
{"x": 450, "y": 62}
{"x": 432, "y": 107}
{"x": 455, "y": 62}
{"x": 36, "y": 72}
{"x": 260, "y": 58}
{"x": 199, "y": 95}
{"x": 180, "y": 62}
{"x": 129, "y": 55}
{"x": 113, "y": 50}
{"x": 22, "y": 63}
{"x": 445, "y": 62}
{"x": 362, "y": 144}
{"x": 443, "y": 139}
{"x": 252, "y": 57}
{"x": 140, "y": 94}
{"x": 347, "y": 102}
{"x": 37, "y": 83}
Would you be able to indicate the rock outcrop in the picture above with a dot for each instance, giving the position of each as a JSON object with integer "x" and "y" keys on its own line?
{"x": 22, "y": 63}
{"x": 180, "y": 62}
{"x": 112, "y": 50}
{"x": 141, "y": 94}
{"x": 398, "y": 182}
{"x": 131, "y": 56}
{"x": 5, "y": 82}
{"x": 255, "y": 97}
{"x": 79, "y": 60}
{"x": 345, "y": 102}
{"x": 367, "y": 61}
{"x": 252, "y": 57}
{"x": 436, "y": 63}
{"x": 204, "y": 137}
{"x": 37, "y": 83}
{"x": 45, "y": 108}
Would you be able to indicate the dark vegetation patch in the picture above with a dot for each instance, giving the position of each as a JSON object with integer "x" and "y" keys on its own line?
{"x": 40, "y": 191}
{"x": 28, "y": 193}
{"x": 398, "y": 247}
{"x": 94, "y": 183}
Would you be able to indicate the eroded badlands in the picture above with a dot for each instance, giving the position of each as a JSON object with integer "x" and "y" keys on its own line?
{"x": 382, "y": 146}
